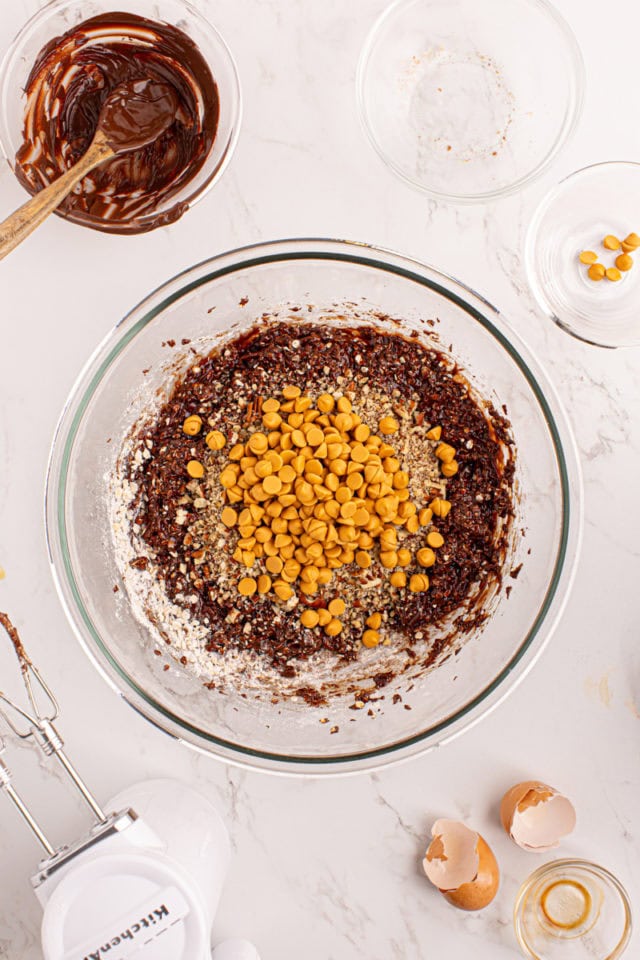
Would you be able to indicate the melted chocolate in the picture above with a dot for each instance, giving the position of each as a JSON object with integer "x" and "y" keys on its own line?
{"x": 137, "y": 113}
{"x": 14, "y": 636}
{"x": 71, "y": 80}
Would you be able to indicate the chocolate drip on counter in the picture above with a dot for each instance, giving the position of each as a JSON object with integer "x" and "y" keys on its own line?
{"x": 73, "y": 76}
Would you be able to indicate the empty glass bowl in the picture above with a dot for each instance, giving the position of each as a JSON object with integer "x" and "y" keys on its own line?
{"x": 575, "y": 216}
{"x": 58, "y": 16}
{"x": 332, "y": 281}
{"x": 470, "y": 99}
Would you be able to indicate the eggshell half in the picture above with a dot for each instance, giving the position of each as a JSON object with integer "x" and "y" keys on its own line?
{"x": 536, "y": 816}
{"x": 461, "y": 865}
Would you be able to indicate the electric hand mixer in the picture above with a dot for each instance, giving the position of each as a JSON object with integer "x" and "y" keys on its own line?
{"x": 146, "y": 879}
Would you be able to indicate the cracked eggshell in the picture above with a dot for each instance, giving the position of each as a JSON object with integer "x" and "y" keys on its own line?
{"x": 536, "y": 816}
{"x": 460, "y": 863}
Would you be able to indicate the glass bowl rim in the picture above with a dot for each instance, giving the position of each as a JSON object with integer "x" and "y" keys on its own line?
{"x": 530, "y": 241}
{"x": 136, "y": 320}
{"x": 572, "y": 114}
{"x": 14, "y": 51}
{"x": 589, "y": 866}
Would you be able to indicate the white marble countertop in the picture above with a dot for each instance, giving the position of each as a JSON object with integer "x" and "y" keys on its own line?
{"x": 329, "y": 870}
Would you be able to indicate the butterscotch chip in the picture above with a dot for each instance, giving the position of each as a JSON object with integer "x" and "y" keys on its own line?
{"x": 290, "y": 392}
{"x": 271, "y": 421}
{"x": 309, "y": 574}
{"x": 264, "y": 583}
{"x": 426, "y": 557}
{"x": 309, "y": 618}
{"x": 362, "y": 433}
{"x": 624, "y": 262}
{"x": 271, "y": 405}
{"x": 389, "y": 559}
{"x": 274, "y": 564}
{"x": 418, "y": 583}
{"x": 272, "y": 485}
{"x": 343, "y": 422}
{"x": 374, "y": 620}
{"x": 215, "y": 440}
{"x": 195, "y": 469}
{"x": 247, "y": 586}
{"x": 398, "y": 579}
{"x": 333, "y": 628}
{"x": 359, "y": 453}
{"x": 348, "y": 509}
{"x": 192, "y": 425}
{"x": 435, "y": 539}
{"x": 229, "y": 517}
{"x": 315, "y": 437}
{"x": 274, "y": 458}
{"x": 596, "y": 271}
{"x": 336, "y": 607}
{"x": 388, "y": 538}
{"x": 361, "y": 517}
{"x": 282, "y": 590}
{"x": 434, "y": 433}
{"x": 445, "y": 452}
{"x": 388, "y": 425}
{"x": 258, "y": 443}
{"x": 370, "y": 638}
{"x": 325, "y": 403}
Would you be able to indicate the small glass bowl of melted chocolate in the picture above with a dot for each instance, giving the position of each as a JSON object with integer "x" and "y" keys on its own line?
{"x": 60, "y": 70}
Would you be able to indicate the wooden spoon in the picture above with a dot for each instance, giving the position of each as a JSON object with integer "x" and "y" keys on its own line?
{"x": 134, "y": 114}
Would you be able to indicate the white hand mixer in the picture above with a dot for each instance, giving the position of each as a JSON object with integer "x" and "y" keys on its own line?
{"x": 146, "y": 879}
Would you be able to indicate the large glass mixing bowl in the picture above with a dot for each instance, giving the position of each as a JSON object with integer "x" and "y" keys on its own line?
{"x": 328, "y": 279}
